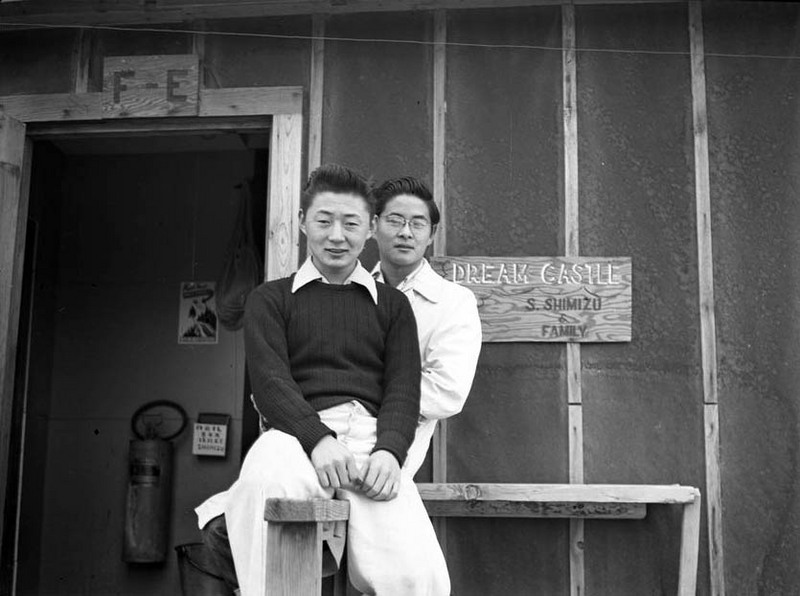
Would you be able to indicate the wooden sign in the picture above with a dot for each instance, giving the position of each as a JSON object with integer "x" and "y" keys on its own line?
{"x": 150, "y": 86}
{"x": 550, "y": 299}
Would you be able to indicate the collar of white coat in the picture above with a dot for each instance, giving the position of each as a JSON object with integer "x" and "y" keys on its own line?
{"x": 308, "y": 272}
{"x": 423, "y": 280}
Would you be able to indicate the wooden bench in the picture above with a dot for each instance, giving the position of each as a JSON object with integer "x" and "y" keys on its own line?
{"x": 294, "y": 536}
{"x": 589, "y": 501}
{"x": 294, "y": 543}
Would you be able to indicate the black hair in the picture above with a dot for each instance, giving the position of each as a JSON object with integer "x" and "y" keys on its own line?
{"x": 406, "y": 185}
{"x": 336, "y": 178}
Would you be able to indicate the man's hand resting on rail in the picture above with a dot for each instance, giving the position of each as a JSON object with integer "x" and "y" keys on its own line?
{"x": 335, "y": 465}
{"x": 380, "y": 477}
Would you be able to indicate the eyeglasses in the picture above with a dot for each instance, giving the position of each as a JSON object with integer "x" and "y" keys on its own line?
{"x": 398, "y": 222}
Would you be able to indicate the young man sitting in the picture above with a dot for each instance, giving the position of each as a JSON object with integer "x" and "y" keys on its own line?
{"x": 335, "y": 370}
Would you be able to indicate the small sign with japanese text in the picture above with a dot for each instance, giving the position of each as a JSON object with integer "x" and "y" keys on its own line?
{"x": 210, "y": 439}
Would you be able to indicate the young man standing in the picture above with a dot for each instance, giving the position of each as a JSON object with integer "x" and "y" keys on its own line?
{"x": 446, "y": 313}
{"x": 334, "y": 364}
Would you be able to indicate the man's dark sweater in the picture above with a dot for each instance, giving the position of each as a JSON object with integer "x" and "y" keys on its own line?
{"x": 326, "y": 345}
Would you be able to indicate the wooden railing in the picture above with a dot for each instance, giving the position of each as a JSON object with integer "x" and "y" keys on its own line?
{"x": 295, "y": 529}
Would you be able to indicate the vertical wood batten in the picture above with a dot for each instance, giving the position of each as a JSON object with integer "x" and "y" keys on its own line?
{"x": 577, "y": 565}
{"x": 199, "y": 50}
{"x": 81, "y": 60}
{"x": 439, "y": 118}
{"x": 439, "y": 462}
{"x": 15, "y": 161}
{"x": 316, "y": 89}
{"x": 572, "y": 248}
{"x": 285, "y": 171}
{"x": 705, "y": 265}
{"x": 440, "y": 244}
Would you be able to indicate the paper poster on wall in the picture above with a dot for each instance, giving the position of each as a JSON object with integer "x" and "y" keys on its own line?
{"x": 197, "y": 315}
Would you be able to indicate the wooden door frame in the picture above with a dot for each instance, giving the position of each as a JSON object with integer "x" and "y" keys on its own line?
{"x": 66, "y": 115}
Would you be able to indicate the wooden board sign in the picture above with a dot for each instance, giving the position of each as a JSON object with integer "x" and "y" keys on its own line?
{"x": 150, "y": 86}
{"x": 547, "y": 299}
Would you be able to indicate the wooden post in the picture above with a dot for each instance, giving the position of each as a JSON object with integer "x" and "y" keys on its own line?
{"x": 294, "y": 543}
{"x": 439, "y": 125}
{"x": 15, "y": 161}
{"x": 440, "y": 244}
{"x": 690, "y": 547}
{"x": 294, "y": 559}
{"x": 199, "y": 50}
{"x": 316, "y": 91}
{"x": 81, "y": 60}
{"x": 572, "y": 248}
{"x": 439, "y": 443}
{"x": 705, "y": 273}
{"x": 285, "y": 166}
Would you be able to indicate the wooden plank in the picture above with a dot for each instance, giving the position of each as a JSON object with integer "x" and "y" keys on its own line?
{"x": 81, "y": 60}
{"x": 439, "y": 474}
{"x": 572, "y": 248}
{"x": 93, "y": 12}
{"x": 439, "y": 441}
{"x": 575, "y": 413}
{"x": 714, "y": 499}
{"x": 148, "y": 127}
{"x": 705, "y": 260}
{"x": 574, "y": 386}
{"x": 440, "y": 127}
{"x": 439, "y": 445}
{"x": 15, "y": 159}
{"x": 570, "y": 115}
{"x": 565, "y": 493}
{"x": 577, "y": 558}
{"x": 306, "y": 510}
{"x": 315, "y": 92}
{"x": 440, "y": 239}
{"x": 199, "y": 50}
{"x": 244, "y": 101}
{"x": 53, "y": 107}
{"x": 690, "y": 546}
{"x": 251, "y": 101}
{"x": 577, "y": 564}
{"x": 285, "y": 167}
{"x": 150, "y": 86}
{"x": 294, "y": 559}
{"x": 550, "y": 509}
{"x": 705, "y": 268}
{"x": 547, "y": 299}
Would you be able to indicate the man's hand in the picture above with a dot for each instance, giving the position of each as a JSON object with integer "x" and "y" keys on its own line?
{"x": 334, "y": 463}
{"x": 380, "y": 478}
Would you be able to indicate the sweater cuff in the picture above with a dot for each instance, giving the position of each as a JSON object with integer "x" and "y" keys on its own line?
{"x": 311, "y": 434}
{"x": 393, "y": 442}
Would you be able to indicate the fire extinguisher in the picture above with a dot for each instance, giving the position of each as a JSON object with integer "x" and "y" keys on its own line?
{"x": 150, "y": 481}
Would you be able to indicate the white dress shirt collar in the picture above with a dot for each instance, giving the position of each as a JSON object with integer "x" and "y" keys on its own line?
{"x": 308, "y": 272}
{"x": 423, "y": 280}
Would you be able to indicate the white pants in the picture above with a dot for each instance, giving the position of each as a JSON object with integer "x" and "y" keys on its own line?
{"x": 392, "y": 548}
{"x": 419, "y": 447}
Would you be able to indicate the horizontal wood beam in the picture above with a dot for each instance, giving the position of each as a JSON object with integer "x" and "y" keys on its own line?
{"x": 250, "y": 101}
{"x": 129, "y": 12}
{"x": 549, "y": 509}
{"x": 306, "y": 510}
{"x": 560, "y": 493}
{"x": 73, "y": 107}
{"x": 53, "y": 107}
{"x": 144, "y": 127}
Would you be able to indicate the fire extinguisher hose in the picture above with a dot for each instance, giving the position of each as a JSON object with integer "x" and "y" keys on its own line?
{"x": 159, "y": 403}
